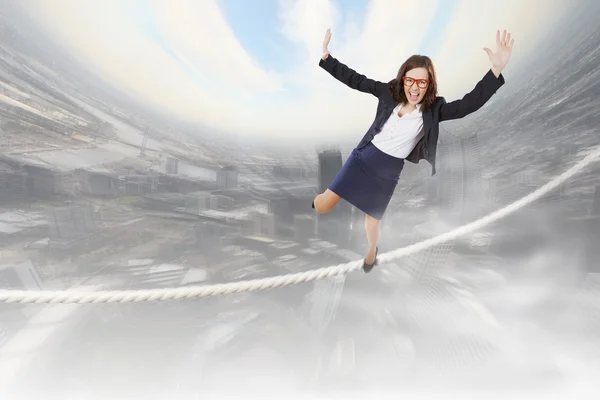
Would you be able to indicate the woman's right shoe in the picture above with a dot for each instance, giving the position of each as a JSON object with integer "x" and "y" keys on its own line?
{"x": 368, "y": 267}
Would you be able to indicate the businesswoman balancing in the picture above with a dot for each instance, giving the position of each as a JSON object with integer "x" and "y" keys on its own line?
{"x": 406, "y": 127}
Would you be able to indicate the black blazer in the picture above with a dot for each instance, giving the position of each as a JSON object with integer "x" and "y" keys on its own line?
{"x": 440, "y": 111}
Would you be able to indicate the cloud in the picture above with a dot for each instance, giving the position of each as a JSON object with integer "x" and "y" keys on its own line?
{"x": 303, "y": 22}
{"x": 200, "y": 71}
{"x": 199, "y": 30}
{"x": 202, "y": 78}
{"x": 377, "y": 52}
{"x": 461, "y": 61}
{"x": 389, "y": 36}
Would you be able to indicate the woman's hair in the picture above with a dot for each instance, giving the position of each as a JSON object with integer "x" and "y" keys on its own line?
{"x": 397, "y": 85}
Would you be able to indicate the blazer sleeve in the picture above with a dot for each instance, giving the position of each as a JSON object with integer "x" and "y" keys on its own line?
{"x": 351, "y": 78}
{"x": 473, "y": 100}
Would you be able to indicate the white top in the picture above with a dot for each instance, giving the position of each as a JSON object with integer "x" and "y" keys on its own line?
{"x": 399, "y": 136}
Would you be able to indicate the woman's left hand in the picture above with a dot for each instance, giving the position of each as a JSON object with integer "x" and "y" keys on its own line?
{"x": 504, "y": 45}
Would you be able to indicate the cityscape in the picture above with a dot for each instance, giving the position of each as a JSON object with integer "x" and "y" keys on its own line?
{"x": 95, "y": 196}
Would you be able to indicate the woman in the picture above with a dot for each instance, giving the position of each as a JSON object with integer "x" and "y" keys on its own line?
{"x": 406, "y": 127}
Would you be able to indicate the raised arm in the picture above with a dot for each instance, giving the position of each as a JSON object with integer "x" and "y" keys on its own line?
{"x": 486, "y": 87}
{"x": 473, "y": 100}
{"x": 346, "y": 75}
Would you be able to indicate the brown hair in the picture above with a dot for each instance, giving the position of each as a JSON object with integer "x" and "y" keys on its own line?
{"x": 397, "y": 85}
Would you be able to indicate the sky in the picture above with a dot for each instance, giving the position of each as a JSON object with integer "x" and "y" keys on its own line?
{"x": 250, "y": 67}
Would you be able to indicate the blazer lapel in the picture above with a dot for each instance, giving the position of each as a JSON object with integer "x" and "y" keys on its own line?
{"x": 386, "y": 111}
{"x": 427, "y": 121}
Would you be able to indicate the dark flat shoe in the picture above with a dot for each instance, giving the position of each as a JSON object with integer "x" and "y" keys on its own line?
{"x": 368, "y": 267}
{"x": 313, "y": 204}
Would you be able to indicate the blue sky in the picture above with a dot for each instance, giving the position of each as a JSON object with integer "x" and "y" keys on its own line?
{"x": 255, "y": 23}
{"x": 251, "y": 66}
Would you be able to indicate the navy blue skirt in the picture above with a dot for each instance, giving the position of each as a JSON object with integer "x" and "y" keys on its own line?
{"x": 368, "y": 179}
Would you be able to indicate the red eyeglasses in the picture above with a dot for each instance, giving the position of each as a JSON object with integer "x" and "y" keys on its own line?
{"x": 421, "y": 83}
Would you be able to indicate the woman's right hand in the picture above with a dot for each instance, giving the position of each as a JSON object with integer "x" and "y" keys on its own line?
{"x": 326, "y": 44}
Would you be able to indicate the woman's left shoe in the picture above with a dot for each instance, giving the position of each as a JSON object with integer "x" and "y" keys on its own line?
{"x": 368, "y": 267}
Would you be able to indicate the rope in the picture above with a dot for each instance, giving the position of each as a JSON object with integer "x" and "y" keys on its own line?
{"x": 127, "y": 296}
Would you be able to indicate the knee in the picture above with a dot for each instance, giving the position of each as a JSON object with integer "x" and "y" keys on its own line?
{"x": 322, "y": 209}
{"x": 371, "y": 224}
{"x": 325, "y": 202}
{"x": 321, "y": 206}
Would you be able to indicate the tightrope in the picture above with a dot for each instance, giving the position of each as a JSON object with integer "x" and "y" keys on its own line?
{"x": 133, "y": 296}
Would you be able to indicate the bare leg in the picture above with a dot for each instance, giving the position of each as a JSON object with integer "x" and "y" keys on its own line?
{"x": 373, "y": 235}
{"x": 326, "y": 201}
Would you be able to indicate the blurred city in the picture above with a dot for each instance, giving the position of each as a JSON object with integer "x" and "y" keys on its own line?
{"x": 95, "y": 196}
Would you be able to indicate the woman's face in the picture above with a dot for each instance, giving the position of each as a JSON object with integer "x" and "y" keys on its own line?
{"x": 416, "y": 82}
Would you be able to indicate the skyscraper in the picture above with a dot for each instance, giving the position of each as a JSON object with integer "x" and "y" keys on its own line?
{"x": 172, "y": 166}
{"x": 71, "y": 224}
{"x": 461, "y": 188}
{"x": 13, "y": 185}
{"x": 473, "y": 191}
{"x": 330, "y": 164}
{"x": 424, "y": 265}
{"x": 450, "y": 178}
{"x": 596, "y": 204}
{"x": 325, "y": 298}
{"x": 334, "y": 225}
{"x": 227, "y": 177}
{"x": 303, "y": 227}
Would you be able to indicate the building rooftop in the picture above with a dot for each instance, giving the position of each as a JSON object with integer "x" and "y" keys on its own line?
{"x": 238, "y": 214}
{"x": 291, "y": 263}
{"x": 280, "y": 244}
{"x": 260, "y": 239}
{"x": 17, "y": 220}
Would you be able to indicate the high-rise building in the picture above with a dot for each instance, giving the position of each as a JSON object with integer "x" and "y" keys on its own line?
{"x": 450, "y": 177}
{"x": 263, "y": 224}
{"x": 330, "y": 164}
{"x": 567, "y": 151}
{"x": 288, "y": 172}
{"x": 489, "y": 193}
{"x": 473, "y": 191}
{"x": 227, "y": 177}
{"x": 197, "y": 202}
{"x": 429, "y": 263}
{"x": 334, "y": 225}
{"x": 172, "y": 166}
{"x": 72, "y": 223}
{"x": 209, "y": 236}
{"x": 221, "y": 202}
{"x": 304, "y": 227}
{"x": 280, "y": 208}
{"x": 596, "y": 203}
{"x": 461, "y": 190}
{"x": 325, "y": 298}
{"x": 13, "y": 186}
{"x": 300, "y": 203}
{"x": 433, "y": 189}
{"x": 357, "y": 230}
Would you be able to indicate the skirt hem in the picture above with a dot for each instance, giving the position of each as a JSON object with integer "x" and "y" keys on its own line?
{"x": 367, "y": 180}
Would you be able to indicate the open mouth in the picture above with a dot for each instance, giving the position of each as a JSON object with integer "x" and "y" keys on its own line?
{"x": 414, "y": 96}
